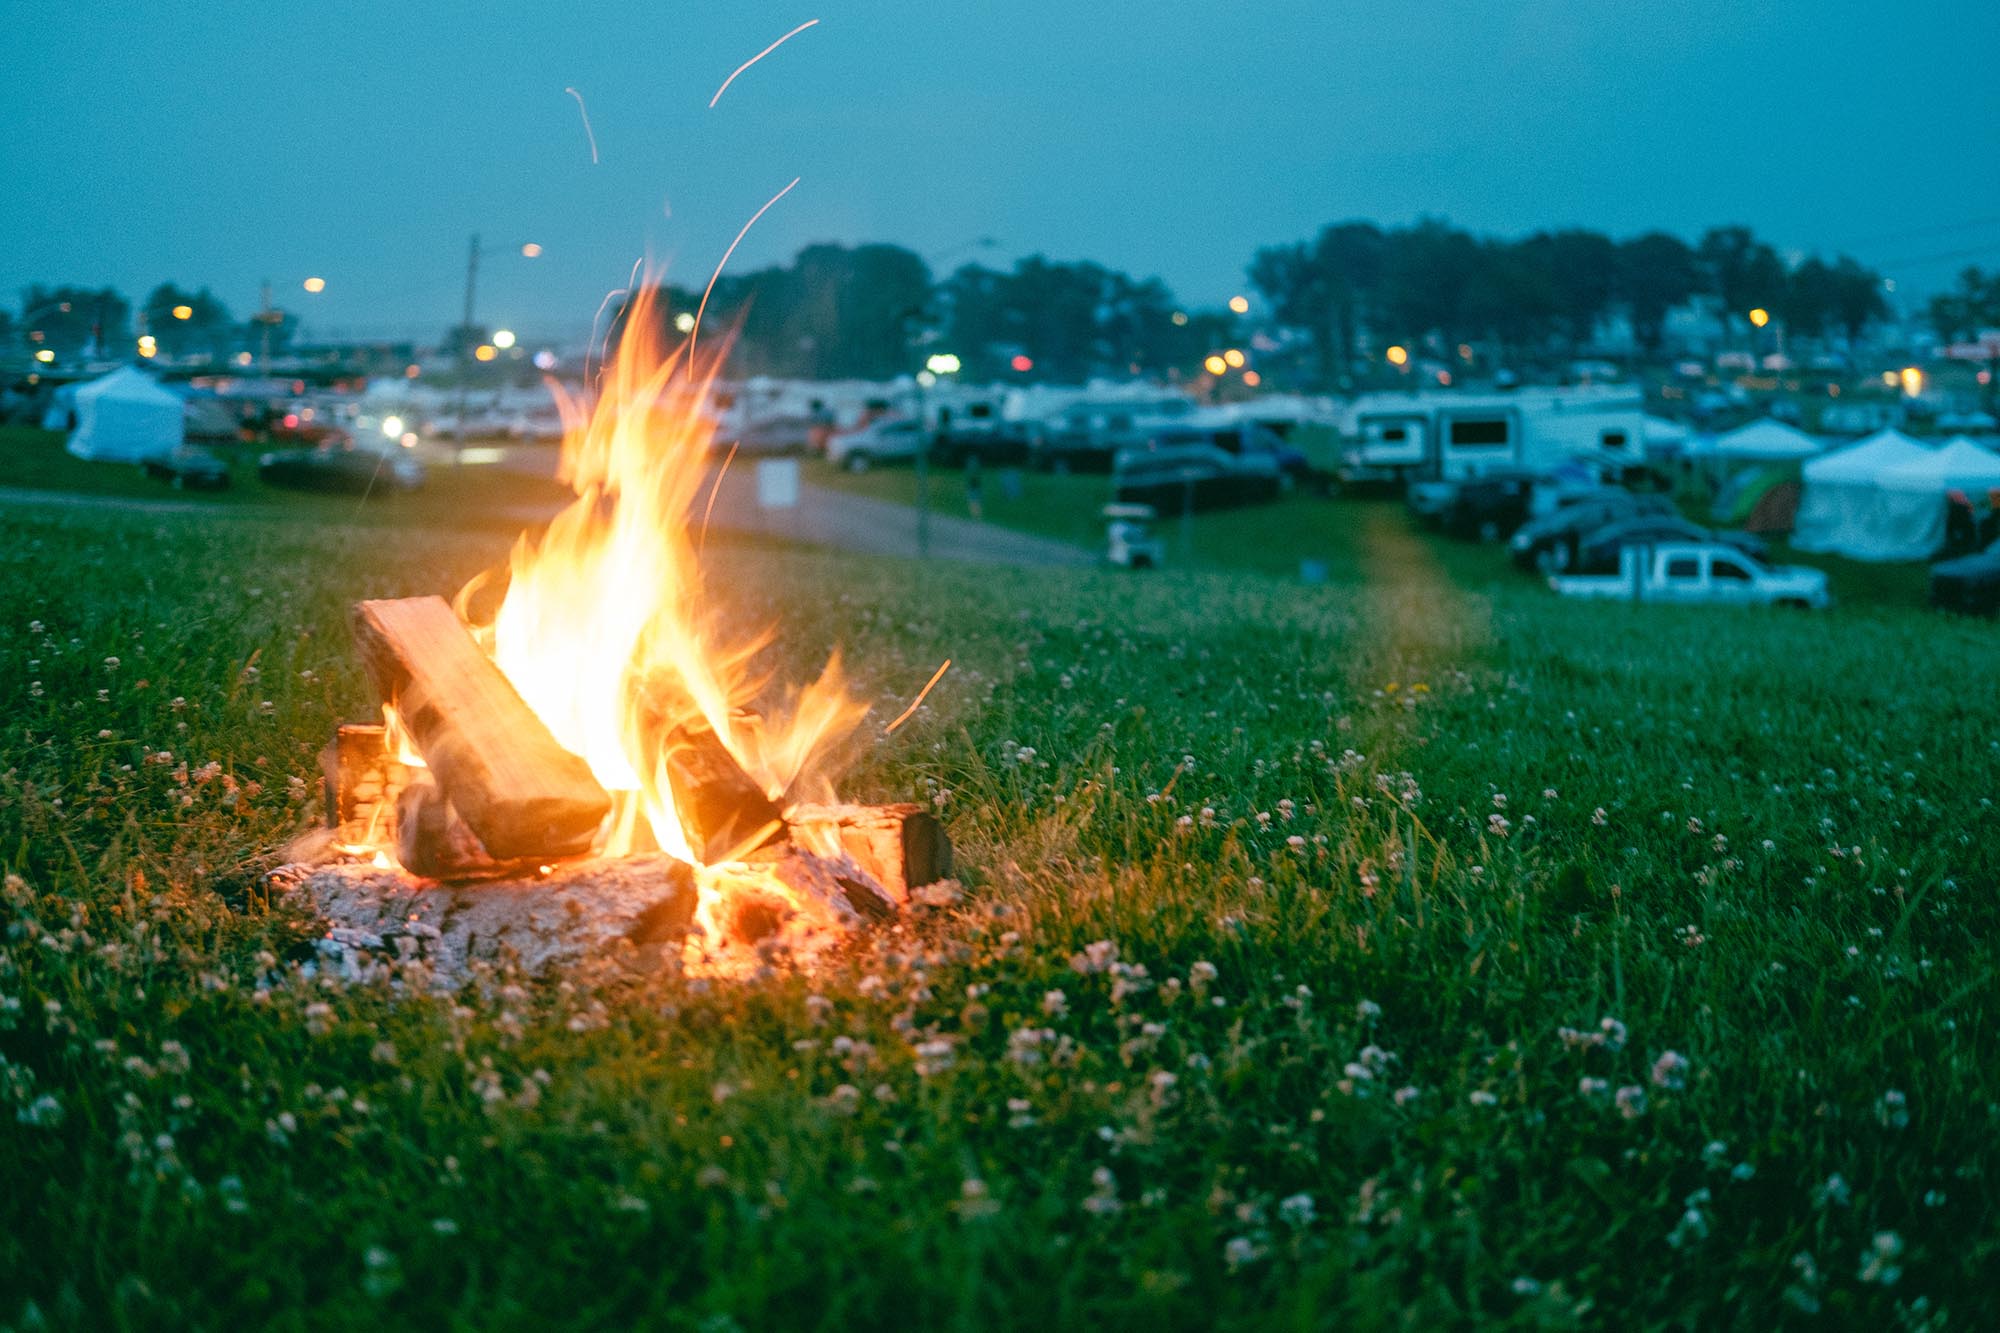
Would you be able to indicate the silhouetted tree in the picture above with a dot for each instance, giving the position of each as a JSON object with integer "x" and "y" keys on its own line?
{"x": 70, "y": 318}
{"x": 1742, "y": 270}
{"x": 1323, "y": 288}
{"x": 1655, "y": 272}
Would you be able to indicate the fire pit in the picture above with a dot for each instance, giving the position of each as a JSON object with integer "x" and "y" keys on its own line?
{"x": 599, "y": 767}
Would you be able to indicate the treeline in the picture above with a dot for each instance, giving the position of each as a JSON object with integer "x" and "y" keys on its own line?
{"x": 1337, "y": 300}
{"x": 68, "y": 319}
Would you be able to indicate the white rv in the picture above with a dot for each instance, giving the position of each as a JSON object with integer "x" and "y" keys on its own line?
{"x": 1402, "y": 437}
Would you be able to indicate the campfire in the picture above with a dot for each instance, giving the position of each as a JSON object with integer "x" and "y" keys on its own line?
{"x": 603, "y": 748}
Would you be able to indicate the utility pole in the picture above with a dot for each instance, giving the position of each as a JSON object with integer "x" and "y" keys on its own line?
{"x": 265, "y": 317}
{"x": 465, "y": 331}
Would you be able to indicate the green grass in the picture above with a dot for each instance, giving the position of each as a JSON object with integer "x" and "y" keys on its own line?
{"x": 1285, "y": 851}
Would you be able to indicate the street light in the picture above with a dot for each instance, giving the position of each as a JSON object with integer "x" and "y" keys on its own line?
{"x": 315, "y": 285}
{"x": 1233, "y": 358}
{"x": 531, "y": 251}
{"x": 943, "y": 363}
{"x": 1215, "y": 365}
{"x": 1399, "y": 355}
{"x": 1760, "y": 317}
{"x": 684, "y": 321}
{"x": 503, "y": 338}
{"x": 1240, "y": 304}
{"x": 45, "y": 356}
{"x": 183, "y": 312}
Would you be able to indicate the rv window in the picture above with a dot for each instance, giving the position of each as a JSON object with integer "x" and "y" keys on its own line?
{"x": 1683, "y": 567}
{"x": 1478, "y": 431}
{"x": 1729, "y": 569}
{"x": 1612, "y": 439}
{"x": 1395, "y": 433}
{"x": 979, "y": 411}
{"x": 1118, "y": 422}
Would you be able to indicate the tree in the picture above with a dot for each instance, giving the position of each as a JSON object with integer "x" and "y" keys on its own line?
{"x": 1807, "y": 306}
{"x": 1427, "y": 270}
{"x": 71, "y": 319}
{"x": 1857, "y": 297}
{"x": 1581, "y": 273}
{"x": 1745, "y": 272}
{"x": 1655, "y": 272}
{"x": 1323, "y": 288}
{"x": 207, "y": 330}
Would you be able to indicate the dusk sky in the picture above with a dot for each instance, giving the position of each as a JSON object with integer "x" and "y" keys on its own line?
{"x": 226, "y": 143}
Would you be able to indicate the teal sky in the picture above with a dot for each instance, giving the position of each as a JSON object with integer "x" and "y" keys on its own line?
{"x": 226, "y": 143}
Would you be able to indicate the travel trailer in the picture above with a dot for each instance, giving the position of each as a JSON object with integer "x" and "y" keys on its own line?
{"x": 1447, "y": 437}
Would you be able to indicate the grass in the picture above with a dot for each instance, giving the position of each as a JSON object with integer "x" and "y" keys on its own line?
{"x": 1280, "y": 901}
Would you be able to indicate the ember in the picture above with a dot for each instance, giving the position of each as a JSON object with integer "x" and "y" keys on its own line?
{"x": 606, "y": 714}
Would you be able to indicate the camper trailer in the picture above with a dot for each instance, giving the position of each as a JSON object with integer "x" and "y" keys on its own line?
{"x": 1399, "y": 438}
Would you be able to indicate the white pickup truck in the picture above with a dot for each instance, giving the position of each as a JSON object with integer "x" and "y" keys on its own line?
{"x": 1699, "y": 573}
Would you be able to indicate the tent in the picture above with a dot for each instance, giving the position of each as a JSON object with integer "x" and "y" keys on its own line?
{"x": 1910, "y": 500}
{"x": 1765, "y": 441}
{"x": 1838, "y": 510}
{"x": 124, "y": 417}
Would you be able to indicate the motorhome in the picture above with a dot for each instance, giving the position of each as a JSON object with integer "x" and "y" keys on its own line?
{"x": 1448, "y": 437}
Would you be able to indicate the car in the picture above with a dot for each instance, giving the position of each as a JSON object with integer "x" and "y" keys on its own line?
{"x": 1970, "y": 583}
{"x": 187, "y": 467}
{"x": 1192, "y": 478}
{"x": 778, "y": 435}
{"x": 1088, "y": 437}
{"x": 1243, "y": 440}
{"x": 1549, "y": 543}
{"x": 341, "y": 468}
{"x": 1488, "y": 508}
{"x": 1598, "y": 552}
{"x": 889, "y": 439}
{"x": 1699, "y": 573}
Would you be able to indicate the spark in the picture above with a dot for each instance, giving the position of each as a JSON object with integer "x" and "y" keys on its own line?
{"x": 922, "y": 694}
{"x": 759, "y": 56}
{"x": 696, "y": 330}
{"x": 715, "y": 490}
{"x": 586, "y": 123}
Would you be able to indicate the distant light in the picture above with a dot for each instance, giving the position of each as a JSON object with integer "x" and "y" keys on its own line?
{"x": 1399, "y": 355}
{"x": 409, "y": 440}
{"x": 485, "y": 351}
{"x": 1234, "y": 357}
{"x": 1888, "y": 284}
{"x": 1180, "y": 319}
{"x": 1760, "y": 317}
{"x": 1240, "y": 304}
{"x": 545, "y": 360}
{"x": 244, "y": 358}
{"x": 412, "y": 370}
{"x": 315, "y": 285}
{"x": 1465, "y": 351}
{"x": 1912, "y": 380}
{"x": 45, "y": 356}
{"x": 183, "y": 312}
{"x": 925, "y": 378}
{"x": 148, "y": 347}
{"x": 291, "y": 421}
{"x": 1252, "y": 379}
{"x": 392, "y": 426}
{"x": 943, "y": 363}
{"x": 684, "y": 321}
{"x": 531, "y": 251}
{"x": 1215, "y": 365}
{"x": 1024, "y": 364}
{"x": 503, "y": 338}
{"x": 1444, "y": 378}
{"x": 1890, "y": 379}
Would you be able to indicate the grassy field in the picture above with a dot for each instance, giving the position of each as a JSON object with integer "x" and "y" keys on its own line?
{"x": 1416, "y": 950}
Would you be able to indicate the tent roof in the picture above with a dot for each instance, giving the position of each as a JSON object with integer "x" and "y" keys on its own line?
{"x": 127, "y": 384}
{"x": 1659, "y": 430}
{"x": 1960, "y": 465}
{"x": 1866, "y": 459}
{"x": 1767, "y": 439}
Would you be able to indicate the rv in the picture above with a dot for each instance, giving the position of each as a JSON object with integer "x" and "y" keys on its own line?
{"x": 1448, "y": 437}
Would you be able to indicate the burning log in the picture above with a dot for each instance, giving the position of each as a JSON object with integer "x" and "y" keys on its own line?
{"x": 902, "y": 846}
{"x": 725, "y": 813}
{"x": 362, "y": 781}
{"x": 433, "y": 841}
{"x": 520, "y": 793}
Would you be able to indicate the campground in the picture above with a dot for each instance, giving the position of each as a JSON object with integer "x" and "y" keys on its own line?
{"x": 1413, "y": 937}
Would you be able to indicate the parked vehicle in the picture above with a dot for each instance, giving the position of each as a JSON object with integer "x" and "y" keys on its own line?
{"x": 1443, "y": 437}
{"x": 1193, "y": 478}
{"x": 1550, "y": 543}
{"x": 1970, "y": 583}
{"x": 1488, "y": 508}
{"x": 1699, "y": 573}
{"x": 891, "y": 439}
{"x": 778, "y": 435}
{"x": 1241, "y": 439}
{"x": 187, "y": 467}
{"x": 1598, "y": 552}
{"x": 342, "y": 469}
{"x": 1089, "y": 436}
{"x": 974, "y": 427}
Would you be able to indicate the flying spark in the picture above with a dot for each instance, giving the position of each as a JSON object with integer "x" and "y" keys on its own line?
{"x": 696, "y": 330}
{"x": 922, "y": 694}
{"x": 586, "y": 123}
{"x": 759, "y": 56}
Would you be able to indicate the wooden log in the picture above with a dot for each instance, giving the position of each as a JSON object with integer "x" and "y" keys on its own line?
{"x": 902, "y": 846}
{"x": 520, "y": 792}
{"x": 362, "y": 781}
{"x": 433, "y": 841}
{"x": 723, "y": 811}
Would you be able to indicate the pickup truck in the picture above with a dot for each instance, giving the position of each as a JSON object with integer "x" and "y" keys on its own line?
{"x": 1699, "y": 573}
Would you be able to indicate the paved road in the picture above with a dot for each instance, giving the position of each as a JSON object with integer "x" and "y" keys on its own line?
{"x": 822, "y": 518}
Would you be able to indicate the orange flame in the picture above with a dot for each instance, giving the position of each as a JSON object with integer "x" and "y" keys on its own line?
{"x": 606, "y": 628}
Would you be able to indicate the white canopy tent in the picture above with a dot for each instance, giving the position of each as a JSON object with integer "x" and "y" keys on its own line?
{"x": 124, "y": 417}
{"x": 1910, "y": 501}
{"x": 1837, "y": 511}
{"x": 1765, "y": 441}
